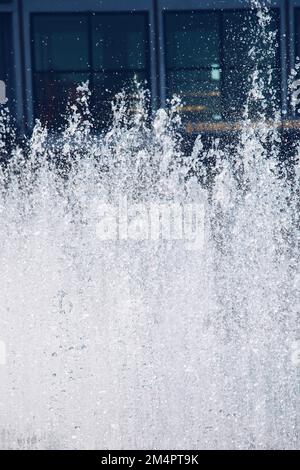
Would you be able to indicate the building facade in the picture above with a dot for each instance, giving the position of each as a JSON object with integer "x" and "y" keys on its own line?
{"x": 198, "y": 49}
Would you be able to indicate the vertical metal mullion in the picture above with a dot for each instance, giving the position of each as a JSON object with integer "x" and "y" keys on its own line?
{"x": 156, "y": 54}
{"x": 162, "y": 55}
{"x": 90, "y": 55}
{"x": 221, "y": 50}
{"x": 292, "y": 42}
{"x": 17, "y": 71}
{"x": 283, "y": 59}
{"x": 34, "y": 72}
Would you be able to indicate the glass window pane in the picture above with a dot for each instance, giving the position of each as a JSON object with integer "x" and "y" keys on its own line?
{"x": 193, "y": 63}
{"x": 192, "y": 39}
{"x": 236, "y": 90}
{"x": 119, "y": 41}
{"x": 297, "y": 31}
{"x": 60, "y": 42}
{"x": 234, "y": 94}
{"x": 52, "y": 92}
{"x": 7, "y": 56}
{"x": 200, "y": 92}
{"x": 5, "y": 45}
{"x": 70, "y": 48}
{"x": 297, "y": 45}
{"x": 105, "y": 87}
{"x": 241, "y": 33}
{"x": 211, "y": 51}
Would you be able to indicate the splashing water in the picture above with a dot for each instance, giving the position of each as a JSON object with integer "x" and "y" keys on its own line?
{"x": 140, "y": 343}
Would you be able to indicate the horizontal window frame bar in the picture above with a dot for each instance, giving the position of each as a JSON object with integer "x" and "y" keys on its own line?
{"x": 80, "y": 6}
{"x": 224, "y": 5}
{"x": 56, "y": 71}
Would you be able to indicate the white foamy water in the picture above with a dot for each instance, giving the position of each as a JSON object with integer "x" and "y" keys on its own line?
{"x": 147, "y": 344}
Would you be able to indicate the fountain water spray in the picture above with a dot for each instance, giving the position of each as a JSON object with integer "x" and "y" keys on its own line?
{"x": 133, "y": 342}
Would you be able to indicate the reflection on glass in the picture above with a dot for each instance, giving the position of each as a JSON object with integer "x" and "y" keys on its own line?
{"x": 6, "y": 56}
{"x": 106, "y": 49}
{"x": 192, "y": 40}
{"x": 60, "y": 42}
{"x": 201, "y": 92}
{"x": 119, "y": 41}
{"x": 208, "y": 62}
{"x": 297, "y": 44}
{"x": 105, "y": 86}
{"x": 53, "y": 90}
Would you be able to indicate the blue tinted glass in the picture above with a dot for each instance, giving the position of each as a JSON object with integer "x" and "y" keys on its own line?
{"x": 192, "y": 39}
{"x": 200, "y": 91}
{"x": 7, "y": 56}
{"x": 297, "y": 43}
{"x": 297, "y": 31}
{"x": 239, "y": 29}
{"x": 193, "y": 58}
{"x": 105, "y": 86}
{"x": 209, "y": 65}
{"x": 60, "y": 42}
{"x": 53, "y": 91}
{"x": 119, "y": 41}
{"x": 241, "y": 34}
{"x": 106, "y": 49}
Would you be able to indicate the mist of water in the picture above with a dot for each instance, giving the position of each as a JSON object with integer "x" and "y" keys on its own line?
{"x": 143, "y": 344}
